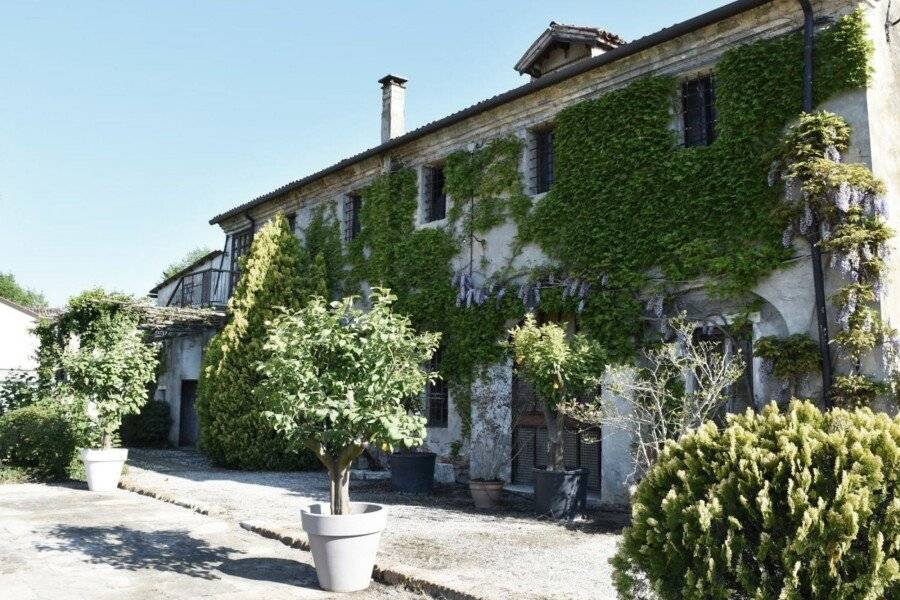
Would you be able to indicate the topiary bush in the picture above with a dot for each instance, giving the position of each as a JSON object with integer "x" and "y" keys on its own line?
{"x": 275, "y": 274}
{"x": 37, "y": 439}
{"x": 148, "y": 428}
{"x": 795, "y": 505}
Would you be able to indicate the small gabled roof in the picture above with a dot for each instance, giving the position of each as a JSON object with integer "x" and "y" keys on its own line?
{"x": 558, "y": 33}
{"x": 184, "y": 271}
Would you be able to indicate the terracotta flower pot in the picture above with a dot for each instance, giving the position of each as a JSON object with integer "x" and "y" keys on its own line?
{"x": 486, "y": 494}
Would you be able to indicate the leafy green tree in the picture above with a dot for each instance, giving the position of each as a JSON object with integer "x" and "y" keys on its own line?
{"x": 343, "y": 379}
{"x": 233, "y": 430}
{"x": 185, "y": 261}
{"x": 561, "y": 368}
{"x": 12, "y": 291}
{"x": 95, "y": 359}
{"x": 801, "y": 505}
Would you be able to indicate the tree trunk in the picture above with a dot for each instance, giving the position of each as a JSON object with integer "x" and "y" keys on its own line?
{"x": 106, "y": 441}
{"x": 555, "y": 446}
{"x": 340, "y": 490}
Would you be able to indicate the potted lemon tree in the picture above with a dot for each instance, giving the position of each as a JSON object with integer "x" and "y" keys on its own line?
{"x": 339, "y": 380}
{"x": 562, "y": 368}
{"x": 106, "y": 370}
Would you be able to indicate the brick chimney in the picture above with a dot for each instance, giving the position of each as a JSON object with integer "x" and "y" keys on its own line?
{"x": 393, "y": 107}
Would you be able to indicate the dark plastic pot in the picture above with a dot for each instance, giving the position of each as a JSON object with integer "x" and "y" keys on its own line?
{"x": 560, "y": 494}
{"x": 413, "y": 472}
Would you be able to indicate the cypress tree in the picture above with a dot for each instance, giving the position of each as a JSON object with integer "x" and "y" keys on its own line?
{"x": 233, "y": 431}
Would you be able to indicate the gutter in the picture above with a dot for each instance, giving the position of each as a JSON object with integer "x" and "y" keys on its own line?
{"x": 816, "y": 252}
{"x": 639, "y": 45}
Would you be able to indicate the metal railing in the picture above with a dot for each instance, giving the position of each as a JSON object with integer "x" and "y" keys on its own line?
{"x": 201, "y": 289}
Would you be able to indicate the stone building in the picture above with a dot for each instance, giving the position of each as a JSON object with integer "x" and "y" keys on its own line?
{"x": 567, "y": 65}
{"x": 18, "y": 345}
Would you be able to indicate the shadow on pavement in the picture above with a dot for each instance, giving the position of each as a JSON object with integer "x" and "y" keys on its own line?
{"x": 173, "y": 551}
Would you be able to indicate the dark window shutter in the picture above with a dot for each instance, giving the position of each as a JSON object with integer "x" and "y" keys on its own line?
{"x": 545, "y": 160}
{"x": 698, "y": 98}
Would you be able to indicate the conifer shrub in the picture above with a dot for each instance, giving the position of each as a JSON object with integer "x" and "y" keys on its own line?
{"x": 275, "y": 274}
{"x": 777, "y": 505}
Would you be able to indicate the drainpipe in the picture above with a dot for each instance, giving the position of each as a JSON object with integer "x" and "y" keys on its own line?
{"x": 818, "y": 275}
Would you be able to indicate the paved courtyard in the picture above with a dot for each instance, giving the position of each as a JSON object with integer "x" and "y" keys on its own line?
{"x": 437, "y": 538}
{"x": 64, "y": 543}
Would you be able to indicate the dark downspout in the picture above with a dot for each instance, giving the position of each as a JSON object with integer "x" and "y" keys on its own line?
{"x": 818, "y": 275}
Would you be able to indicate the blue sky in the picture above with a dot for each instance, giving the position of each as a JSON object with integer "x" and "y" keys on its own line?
{"x": 125, "y": 126}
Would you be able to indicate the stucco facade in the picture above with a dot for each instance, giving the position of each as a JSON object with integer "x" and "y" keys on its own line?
{"x": 786, "y": 297}
{"x": 18, "y": 344}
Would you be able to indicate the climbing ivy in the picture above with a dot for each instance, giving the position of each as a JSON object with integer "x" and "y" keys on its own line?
{"x": 629, "y": 202}
{"x": 486, "y": 186}
{"x": 630, "y": 212}
{"x": 322, "y": 241}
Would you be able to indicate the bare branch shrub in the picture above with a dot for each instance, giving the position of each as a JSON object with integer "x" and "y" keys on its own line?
{"x": 680, "y": 384}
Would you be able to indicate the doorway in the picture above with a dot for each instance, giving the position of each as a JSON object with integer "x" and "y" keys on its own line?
{"x": 189, "y": 429}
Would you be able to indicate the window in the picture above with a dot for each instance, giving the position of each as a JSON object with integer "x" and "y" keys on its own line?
{"x": 352, "y": 206}
{"x": 240, "y": 245}
{"x": 437, "y": 395}
{"x": 435, "y": 196}
{"x": 544, "y": 160}
{"x": 292, "y": 222}
{"x": 698, "y": 105}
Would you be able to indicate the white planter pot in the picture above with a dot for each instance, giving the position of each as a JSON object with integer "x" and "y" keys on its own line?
{"x": 103, "y": 467}
{"x": 344, "y": 546}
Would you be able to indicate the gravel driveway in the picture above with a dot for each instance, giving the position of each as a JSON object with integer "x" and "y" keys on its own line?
{"x": 440, "y": 537}
{"x": 65, "y": 543}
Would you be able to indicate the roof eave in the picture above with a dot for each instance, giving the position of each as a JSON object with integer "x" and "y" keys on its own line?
{"x": 639, "y": 45}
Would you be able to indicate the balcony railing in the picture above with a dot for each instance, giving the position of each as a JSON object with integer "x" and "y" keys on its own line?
{"x": 202, "y": 289}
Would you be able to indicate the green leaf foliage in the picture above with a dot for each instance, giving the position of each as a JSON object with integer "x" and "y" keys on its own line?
{"x": 96, "y": 360}
{"x": 233, "y": 431}
{"x": 627, "y": 199}
{"x": 774, "y": 506}
{"x": 793, "y": 356}
{"x": 342, "y": 379}
{"x": 148, "y": 428}
{"x": 39, "y": 440}
{"x": 12, "y": 291}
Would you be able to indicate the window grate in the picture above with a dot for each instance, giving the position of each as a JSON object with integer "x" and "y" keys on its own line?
{"x": 240, "y": 245}
{"x": 437, "y": 395}
{"x": 352, "y": 207}
{"x": 545, "y": 160}
{"x": 698, "y": 102}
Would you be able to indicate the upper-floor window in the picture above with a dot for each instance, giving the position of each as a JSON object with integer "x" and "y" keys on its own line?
{"x": 240, "y": 245}
{"x": 698, "y": 108}
{"x": 352, "y": 208}
{"x": 544, "y": 159}
{"x": 435, "y": 196}
{"x": 292, "y": 222}
{"x": 437, "y": 396}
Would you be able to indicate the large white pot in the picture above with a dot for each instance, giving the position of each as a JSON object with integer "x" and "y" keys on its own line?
{"x": 103, "y": 467}
{"x": 344, "y": 546}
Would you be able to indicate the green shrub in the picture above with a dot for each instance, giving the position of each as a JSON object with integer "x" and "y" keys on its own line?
{"x": 37, "y": 439}
{"x": 795, "y": 505}
{"x": 233, "y": 431}
{"x": 150, "y": 427}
